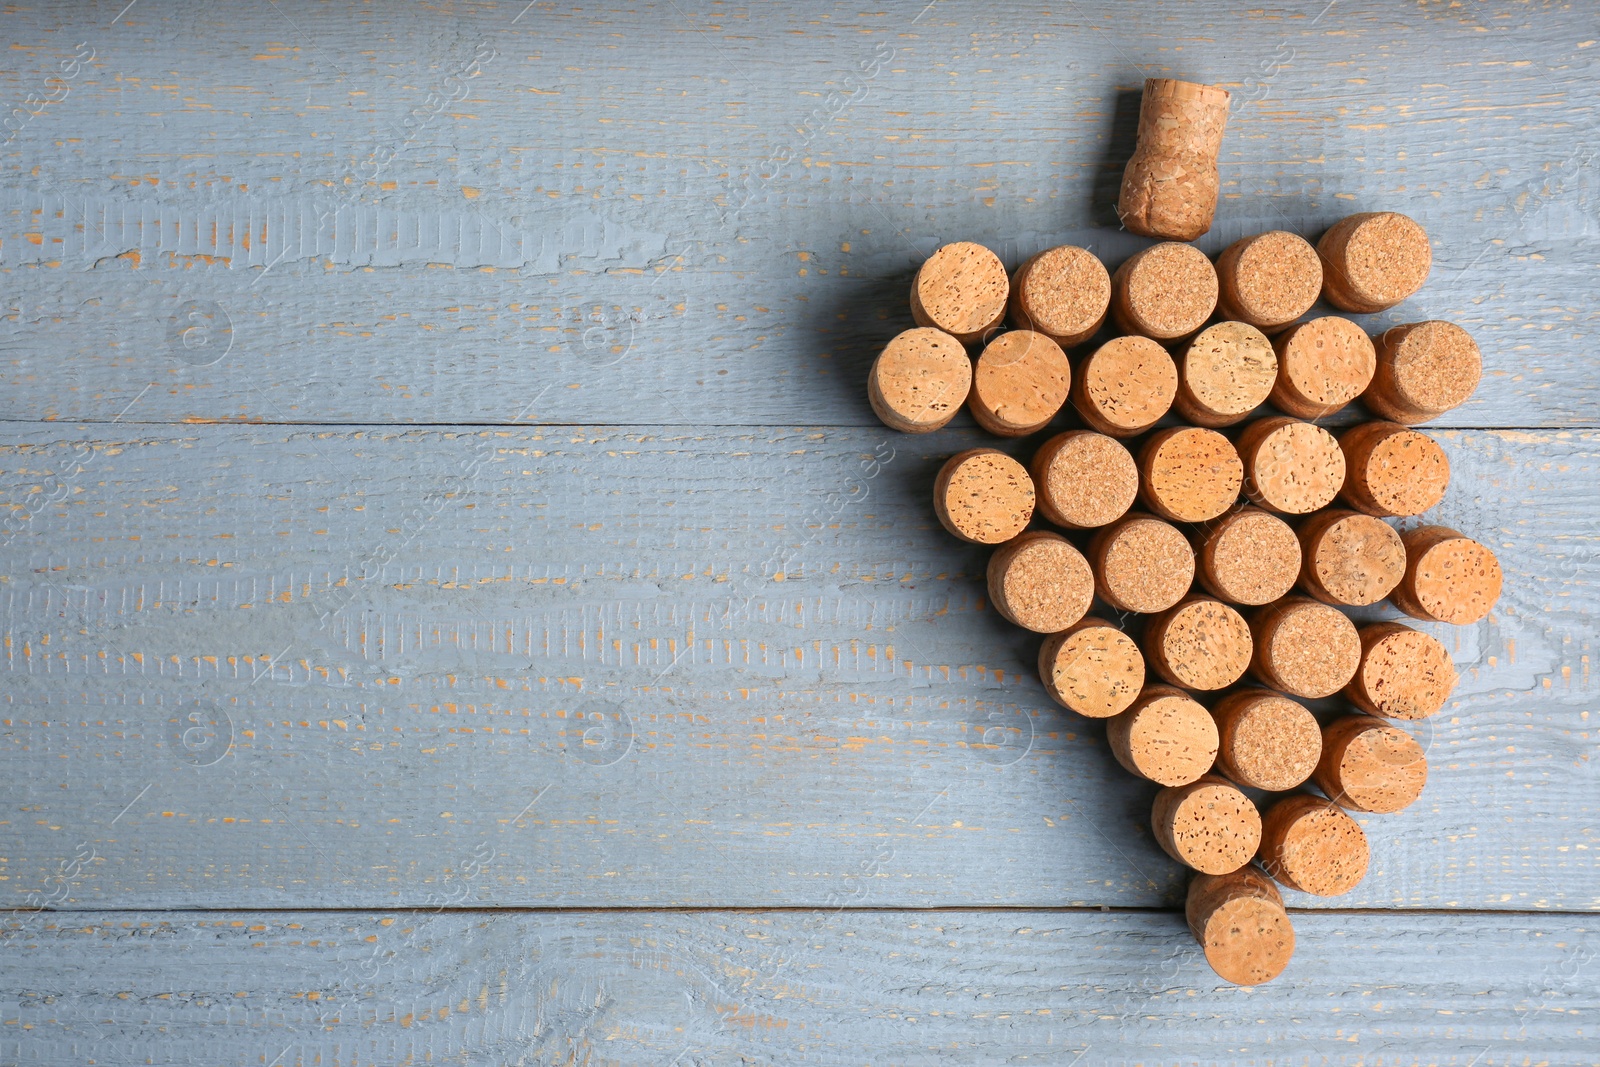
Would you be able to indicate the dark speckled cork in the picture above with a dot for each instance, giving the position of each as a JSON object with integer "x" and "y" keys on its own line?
{"x": 1125, "y": 386}
{"x": 1019, "y": 383}
{"x": 1373, "y": 260}
{"x": 1391, "y": 471}
{"x": 1304, "y": 648}
{"x": 1350, "y": 558}
{"x": 1170, "y": 185}
{"x": 1164, "y": 737}
{"x": 1084, "y": 479}
{"x": 1404, "y": 673}
{"x": 1063, "y": 293}
{"x": 1266, "y": 741}
{"x": 1290, "y": 467}
{"x": 1268, "y": 280}
{"x": 1208, "y": 825}
{"x": 1189, "y": 474}
{"x": 1241, "y": 924}
{"x": 1092, "y": 668}
{"x": 1198, "y": 644}
{"x": 961, "y": 289}
{"x": 1310, "y": 844}
{"x": 919, "y": 381}
{"x": 983, "y": 496}
{"x": 1167, "y": 292}
{"x": 1224, "y": 373}
{"x": 1368, "y": 765}
{"x": 1248, "y": 557}
{"x": 1322, "y": 366}
{"x": 1040, "y": 581}
{"x": 1141, "y": 564}
{"x": 1423, "y": 370}
{"x": 1449, "y": 577}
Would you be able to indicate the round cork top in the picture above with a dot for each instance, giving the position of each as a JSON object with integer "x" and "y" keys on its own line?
{"x": 1373, "y": 260}
{"x": 1391, "y": 471}
{"x": 1310, "y": 844}
{"x": 1350, "y": 558}
{"x": 1290, "y": 467}
{"x": 1249, "y": 557}
{"x": 1020, "y": 382}
{"x": 1189, "y": 474}
{"x": 1266, "y": 741}
{"x": 1164, "y": 737}
{"x": 1322, "y": 366}
{"x": 1424, "y": 369}
{"x": 1269, "y": 280}
{"x": 1208, "y": 824}
{"x": 1125, "y": 386}
{"x": 1225, "y": 373}
{"x": 1449, "y": 577}
{"x": 983, "y": 496}
{"x": 1093, "y": 669}
{"x": 962, "y": 290}
{"x": 1404, "y": 673}
{"x": 1085, "y": 479}
{"x": 1167, "y": 292}
{"x": 1062, "y": 292}
{"x": 1141, "y": 564}
{"x": 1241, "y": 923}
{"x": 1199, "y": 644}
{"x": 919, "y": 381}
{"x": 1304, "y": 648}
{"x": 1040, "y": 582}
{"x": 1368, "y": 765}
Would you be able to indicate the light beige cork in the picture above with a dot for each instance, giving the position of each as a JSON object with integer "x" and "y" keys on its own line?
{"x": 961, "y": 289}
{"x": 1310, "y": 844}
{"x": 1248, "y": 557}
{"x": 1304, "y": 648}
{"x": 1164, "y": 737}
{"x": 1391, "y": 471}
{"x": 983, "y": 496}
{"x": 1368, "y": 765}
{"x": 1241, "y": 924}
{"x": 1224, "y": 373}
{"x": 1265, "y": 741}
{"x": 1322, "y": 366}
{"x": 1125, "y": 386}
{"x": 1350, "y": 558}
{"x": 1039, "y": 581}
{"x": 1092, "y": 668}
{"x": 1199, "y": 643}
{"x": 1170, "y": 185}
{"x": 919, "y": 381}
{"x": 1404, "y": 673}
{"x": 1189, "y": 474}
{"x": 1449, "y": 577}
{"x": 1141, "y": 563}
{"x": 1424, "y": 369}
{"x": 1167, "y": 292}
{"x": 1268, "y": 280}
{"x": 1019, "y": 383}
{"x": 1084, "y": 479}
{"x": 1063, "y": 293}
{"x": 1207, "y": 824}
{"x": 1290, "y": 467}
{"x": 1373, "y": 260}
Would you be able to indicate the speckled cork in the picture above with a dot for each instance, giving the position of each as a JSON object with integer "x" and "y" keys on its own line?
{"x": 1391, "y": 471}
{"x": 1373, "y": 260}
{"x": 1167, "y": 292}
{"x": 1268, "y": 280}
{"x": 961, "y": 289}
{"x": 983, "y": 496}
{"x": 1304, "y": 648}
{"x": 1199, "y": 643}
{"x": 1141, "y": 563}
{"x": 1125, "y": 386}
{"x": 1241, "y": 924}
{"x": 1310, "y": 844}
{"x": 1040, "y": 581}
{"x": 1224, "y": 373}
{"x": 1290, "y": 467}
{"x": 1207, "y": 824}
{"x": 1368, "y": 765}
{"x": 1063, "y": 293}
{"x": 1350, "y": 558}
{"x": 1084, "y": 479}
{"x": 1189, "y": 474}
{"x": 1249, "y": 557}
{"x": 1092, "y": 668}
{"x": 1322, "y": 366}
{"x": 1019, "y": 383}
{"x": 1404, "y": 673}
{"x": 1170, "y": 185}
{"x": 1424, "y": 369}
{"x": 1164, "y": 737}
{"x": 1449, "y": 577}
{"x": 919, "y": 381}
{"x": 1265, "y": 741}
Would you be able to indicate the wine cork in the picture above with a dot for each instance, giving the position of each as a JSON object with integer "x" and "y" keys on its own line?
{"x": 1268, "y": 280}
{"x": 1290, "y": 467}
{"x": 1019, "y": 383}
{"x": 1092, "y": 668}
{"x": 1249, "y": 557}
{"x": 1208, "y": 825}
{"x": 919, "y": 381}
{"x": 1322, "y": 366}
{"x": 1449, "y": 577}
{"x": 1266, "y": 741}
{"x": 1310, "y": 844}
{"x": 1368, "y": 765}
{"x": 1164, "y": 737}
{"x": 1199, "y": 644}
{"x": 983, "y": 496}
{"x": 1304, "y": 648}
{"x": 1189, "y": 474}
{"x": 1241, "y": 924}
{"x": 1391, "y": 471}
{"x": 1169, "y": 188}
{"x": 1084, "y": 479}
{"x": 1224, "y": 374}
{"x": 1040, "y": 582}
{"x": 1373, "y": 260}
{"x": 1166, "y": 292}
{"x": 1424, "y": 369}
{"x": 961, "y": 289}
{"x": 1141, "y": 564}
{"x": 1063, "y": 293}
{"x": 1125, "y": 386}
{"x": 1350, "y": 558}
{"x": 1404, "y": 673}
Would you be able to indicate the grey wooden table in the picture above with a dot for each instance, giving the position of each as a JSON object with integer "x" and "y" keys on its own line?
{"x": 459, "y": 606}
